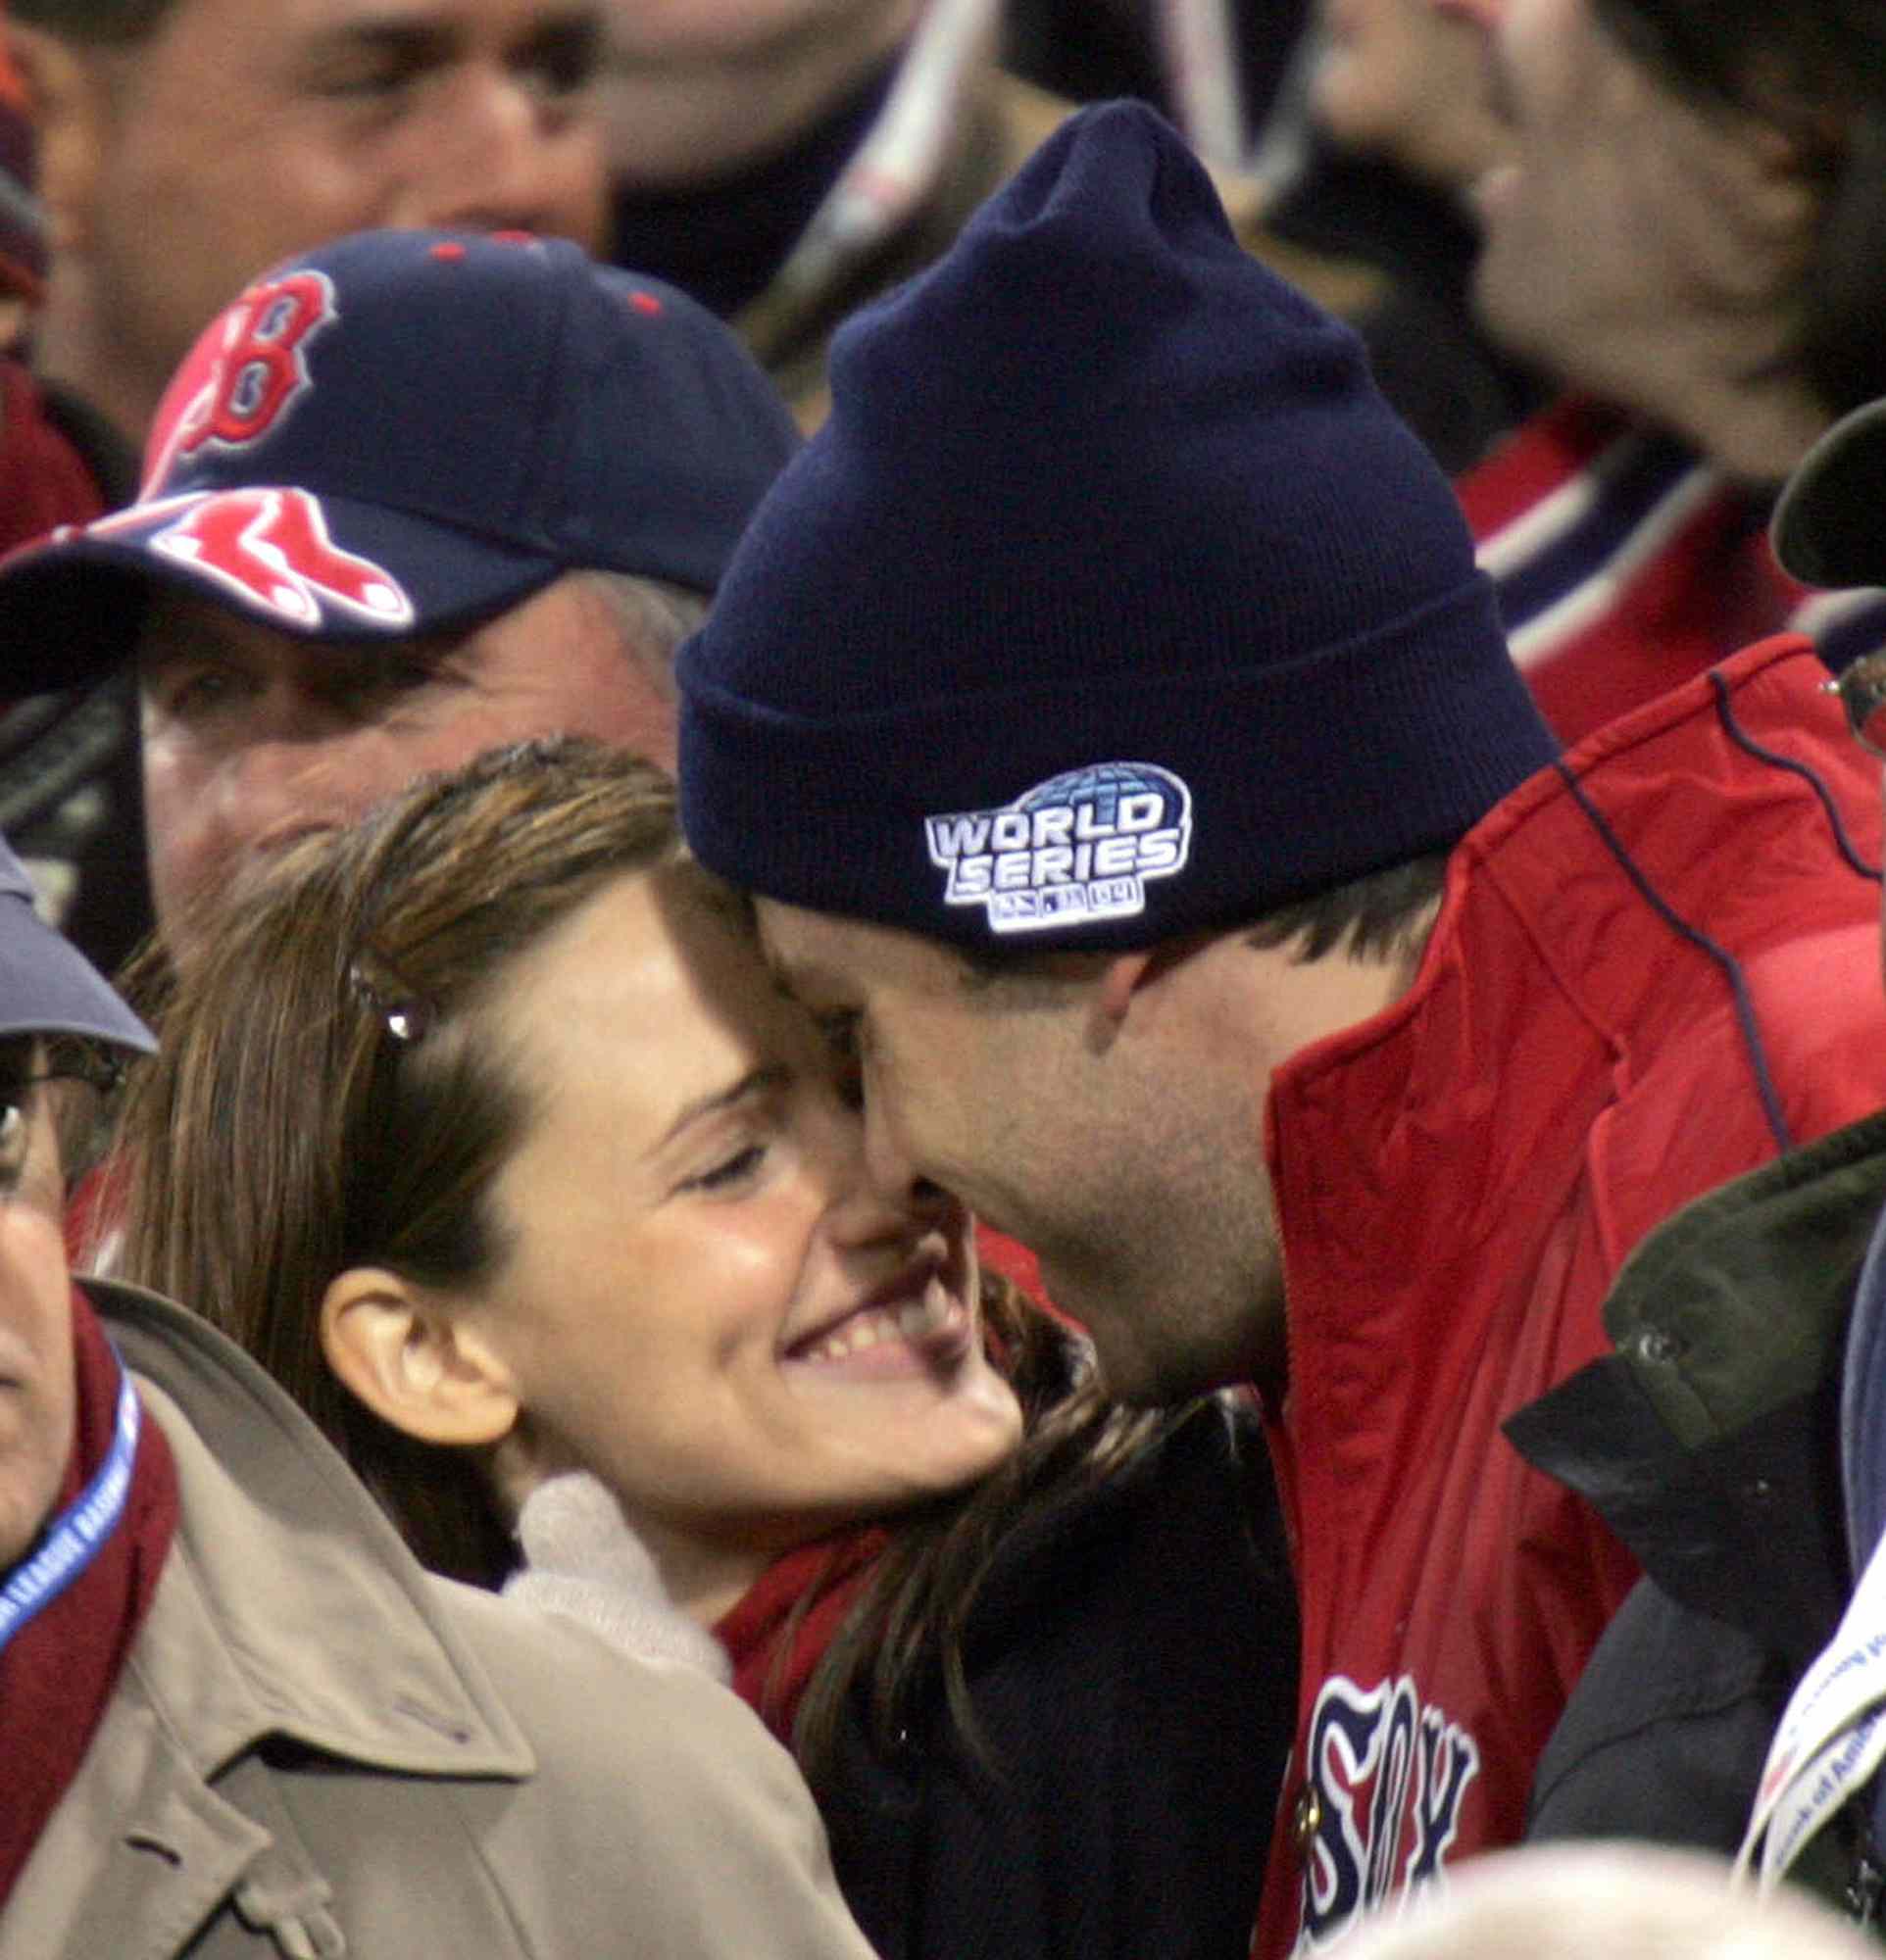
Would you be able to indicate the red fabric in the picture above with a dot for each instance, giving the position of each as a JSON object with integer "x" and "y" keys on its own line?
{"x": 1645, "y": 623}
{"x": 58, "y": 1672}
{"x": 1456, "y": 1183}
{"x": 95, "y": 1213}
{"x": 767, "y": 1674}
{"x": 998, "y": 1253}
{"x": 43, "y": 479}
{"x": 1535, "y": 459}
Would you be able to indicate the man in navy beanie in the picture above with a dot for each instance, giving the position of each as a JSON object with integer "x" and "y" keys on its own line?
{"x": 1109, "y": 715}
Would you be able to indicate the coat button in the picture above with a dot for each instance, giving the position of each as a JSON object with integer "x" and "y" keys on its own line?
{"x": 1308, "y": 1818}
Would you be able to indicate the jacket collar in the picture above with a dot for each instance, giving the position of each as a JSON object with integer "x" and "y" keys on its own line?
{"x": 1706, "y": 1439}
{"x": 290, "y": 1607}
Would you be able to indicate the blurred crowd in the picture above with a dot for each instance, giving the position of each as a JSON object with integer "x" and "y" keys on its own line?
{"x": 940, "y": 978}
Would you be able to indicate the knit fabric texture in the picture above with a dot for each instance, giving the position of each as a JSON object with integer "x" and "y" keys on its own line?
{"x": 1112, "y": 602}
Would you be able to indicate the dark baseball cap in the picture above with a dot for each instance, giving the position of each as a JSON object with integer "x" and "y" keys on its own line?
{"x": 1829, "y": 527}
{"x": 47, "y": 986}
{"x": 405, "y": 432}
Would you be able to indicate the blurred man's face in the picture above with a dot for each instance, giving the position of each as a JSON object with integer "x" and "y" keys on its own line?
{"x": 1630, "y": 220}
{"x": 1403, "y": 80}
{"x": 243, "y": 130}
{"x": 36, "y": 1381}
{"x": 699, "y": 89}
{"x": 680, "y": 33}
{"x": 253, "y": 738}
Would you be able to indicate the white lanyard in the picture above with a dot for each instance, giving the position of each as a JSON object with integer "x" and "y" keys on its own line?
{"x": 896, "y": 165}
{"x": 76, "y": 1535}
{"x": 1201, "y": 59}
{"x": 1831, "y": 1739}
{"x": 898, "y": 162}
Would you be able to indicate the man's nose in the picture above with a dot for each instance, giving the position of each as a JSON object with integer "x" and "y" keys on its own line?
{"x": 1482, "y": 14}
{"x": 514, "y": 159}
{"x": 298, "y": 777}
{"x": 876, "y": 1191}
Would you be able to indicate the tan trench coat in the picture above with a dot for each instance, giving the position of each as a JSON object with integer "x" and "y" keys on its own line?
{"x": 318, "y": 1750}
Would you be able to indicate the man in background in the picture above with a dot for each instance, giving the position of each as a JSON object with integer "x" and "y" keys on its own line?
{"x": 413, "y": 495}
{"x": 786, "y": 160}
{"x": 182, "y": 147}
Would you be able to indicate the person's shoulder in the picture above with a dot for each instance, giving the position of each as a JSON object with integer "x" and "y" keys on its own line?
{"x": 1666, "y": 1734}
{"x": 540, "y": 1662}
{"x": 580, "y": 1700}
{"x": 1197, "y": 1495}
{"x": 655, "y": 1783}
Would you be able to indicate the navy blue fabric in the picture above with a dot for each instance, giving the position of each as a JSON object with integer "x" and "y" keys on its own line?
{"x": 1862, "y": 1437}
{"x": 476, "y": 414}
{"x": 47, "y": 986}
{"x": 1863, "y": 1408}
{"x": 1099, "y": 490}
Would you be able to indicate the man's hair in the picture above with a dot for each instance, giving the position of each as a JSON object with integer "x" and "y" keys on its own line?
{"x": 102, "y": 22}
{"x": 1380, "y": 917}
{"x": 1815, "y": 70}
{"x": 654, "y": 617}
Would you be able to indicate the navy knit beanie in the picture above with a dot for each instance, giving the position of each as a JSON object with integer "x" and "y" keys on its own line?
{"x": 1112, "y": 602}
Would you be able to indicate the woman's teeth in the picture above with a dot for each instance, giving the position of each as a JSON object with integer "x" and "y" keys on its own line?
{"x": 915, "y": 1320}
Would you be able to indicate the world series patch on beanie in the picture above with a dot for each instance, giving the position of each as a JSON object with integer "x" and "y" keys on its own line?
{"x": 404, "y": 432}
{"x": 1113, "y": 602}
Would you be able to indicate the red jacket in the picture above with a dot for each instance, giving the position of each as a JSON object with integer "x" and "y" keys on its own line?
{"x": 1623, "y": 563}
{"x": 1456, "y": 1183}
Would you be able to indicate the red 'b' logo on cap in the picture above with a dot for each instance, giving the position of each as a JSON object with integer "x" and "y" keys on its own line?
{"x": 244, "y": 375}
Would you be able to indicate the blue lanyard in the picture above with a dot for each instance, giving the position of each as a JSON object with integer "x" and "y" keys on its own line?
{"x": 76, "y": 1535}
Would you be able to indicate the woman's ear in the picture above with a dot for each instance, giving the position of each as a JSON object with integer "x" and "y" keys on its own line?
{"x": 414, "y": 1364}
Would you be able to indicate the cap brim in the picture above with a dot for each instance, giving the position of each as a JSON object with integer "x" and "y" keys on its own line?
{"x": 71, "y": 606}
{"x": 1829, "y": 525}
{"x": 47, "y": 986}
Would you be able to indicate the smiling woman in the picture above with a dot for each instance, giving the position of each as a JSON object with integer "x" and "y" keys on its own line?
{"x": 483, "y": 1126}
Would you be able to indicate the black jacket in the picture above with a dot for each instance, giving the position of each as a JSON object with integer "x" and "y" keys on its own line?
{"x": 1710, "y": 1442}
{"x": 1132, "y": 1662}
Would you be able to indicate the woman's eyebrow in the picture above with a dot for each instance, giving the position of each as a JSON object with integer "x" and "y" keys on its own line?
{"x": 769, "y": 1075}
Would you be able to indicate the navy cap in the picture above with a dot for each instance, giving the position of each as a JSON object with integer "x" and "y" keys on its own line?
{"x": 1829, "y": 527}
{"x": 47, "y": 986}
{"x": 405, "y": 432}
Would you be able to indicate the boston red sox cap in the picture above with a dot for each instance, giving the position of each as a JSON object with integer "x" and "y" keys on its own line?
{"x": 404, "y": 432}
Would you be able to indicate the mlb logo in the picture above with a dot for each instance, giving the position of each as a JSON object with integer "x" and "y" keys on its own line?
{"x": 1076, "y": 847}
{"x": 244, "y": 376}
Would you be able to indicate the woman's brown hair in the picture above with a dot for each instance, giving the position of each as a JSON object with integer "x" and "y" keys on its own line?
{"x": 321, "y": 1100}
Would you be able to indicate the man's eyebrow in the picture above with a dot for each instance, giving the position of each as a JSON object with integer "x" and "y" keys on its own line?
{"x": 767, "y": 1075}
{"x": 575, "y": 27}
{"x": 413, "y": 42}
{"x": 172, "y": 643}
{"x": 419, "y": 40}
